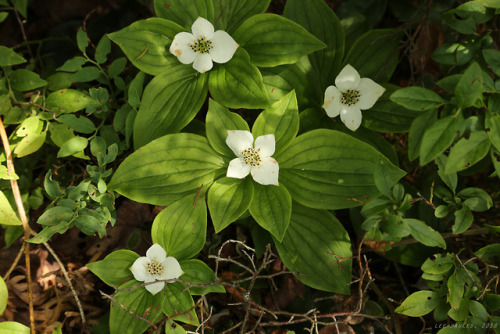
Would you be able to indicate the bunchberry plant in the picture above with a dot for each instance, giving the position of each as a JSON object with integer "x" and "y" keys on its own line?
{"x": 220, "y": 117}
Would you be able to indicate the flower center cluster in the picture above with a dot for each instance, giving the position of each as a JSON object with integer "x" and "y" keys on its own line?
{"x": 155, "y": 268}
{"x": 202, "y": 46}
{"x": 251, "y": 156}
{"x": 350, "y": 97}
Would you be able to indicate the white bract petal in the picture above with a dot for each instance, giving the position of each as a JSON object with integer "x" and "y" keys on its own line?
{"x": 155, "y": 266}
{"x": 173, "y": 268}
{"x": 203, "y": 46}
{"x": 202, "y": 28}
{"x": 350, "y": 95}
{"x": 238, "y": 169}
{"x": 351, "y": 117}
{"x": 252, "y": 159}
{"x": 239, "y": 140}
{"x": 155, "y": 287}
{"x": 203, "y": 63}
{"x": 332, "y": 101}
{"x": 267, "y": 172}
{"x": 156, "y": 253}
{"x": 370, "y": 92}
{"x": 265, "y": 145}
{"x": 181, "y": 47}
{"x": 223, "y": 47}
{"x": 348, "y": 78}
{"x": 139, "y": 269}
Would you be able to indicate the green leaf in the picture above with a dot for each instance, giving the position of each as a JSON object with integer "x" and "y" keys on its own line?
{"x": 3, "y": 16}
{"x": 11, "y": 327}
{"x": 197, "y": 272}
{"x": 320, "y": 20}
{"x": 463, "y": 220}
{"x": 55, "y": 215}
{"x": 181, "y": 228}
{"x": 467, "y": 152}
{"x": 492, "y": 302}
{"x": 375, "y": 54}
{"x": 30, "y": 144}
{"x": 138, "y": 301}
{"x": 488, "y": 253}
{"x": 135, "y": 90}
{"x": 82, "y": 40}
{"x": 271, "y": 208}
{"x": 327, "y": 169}
{"x": 102, "y": 50}
{"x": 86, "y": 74}
{"x": 171, "y": 327}
{"x": 7, "y": 214}
{"x": 68, "y": 101}
{"x": 228, "y": 199}
{"x": 24, "y": 80}
{"x": 167, "y": 169}
{"x": 440, "y": 265}
{"x": 48, "y": 232}
{"x": 492, "y": 57}
{"x": 281, "y": 80}
{"x": 238, "y": 83}
{"x": 282, "y": 120}
{"x": 178, "y": 301}
{"x": 425, "y": 234}
{"x": 419, "y": 303}
{"x": 184, "y": 12}
{"x": 456, "y": 53}
{"x": 492, "y": 125}
{"x": 449, "y": 178}
{"x": 317, "y": 245}
{"x": 170, "y": 101}
{"x": 383, "y": 180}
{"x": 73, "y": 64}
{"x": 114, "y": 269}
{"x": 462, "y": 312}
{"x": 30, "y": 126}
{"x": 476, "y": 199}
{"x": 146, "y": 43}
{"x": 4, "y": 295}
{"x": 464, "y": 26}
{"x": 417, "y": 130}
{"x": 219, "y": 121}
{"x": 470, "y": 86}
{"x": 9, "y": 58}
{"x": 388, "y": 116}
{"x": 417, "y": 98}
{"x": 230, "y": 14}
{"x": 80, "y": 124}
{"x": 5, "y": 174}
{"x": 456, "y": 290}
{"x": 265, "y": 36}
{"x": 117, "y": 67}
{"x": 437, "y": 138}
{"x": 73, "y": 146}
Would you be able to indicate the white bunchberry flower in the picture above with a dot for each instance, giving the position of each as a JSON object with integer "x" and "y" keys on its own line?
{"x": 255, "y": 159}
{"x": 155, "y": 266}
{"x": 203, "y": 46}
{"x": 350, "y": 95}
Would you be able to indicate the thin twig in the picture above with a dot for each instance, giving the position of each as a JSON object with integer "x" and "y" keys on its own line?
{"x": 24, "y": 220}
{"x": 66, "y": 276}
{"x": 14, "y": 264}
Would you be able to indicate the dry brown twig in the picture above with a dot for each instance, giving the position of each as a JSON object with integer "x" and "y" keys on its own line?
{"x": 24, "y": 219}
